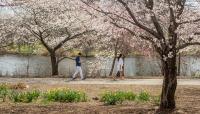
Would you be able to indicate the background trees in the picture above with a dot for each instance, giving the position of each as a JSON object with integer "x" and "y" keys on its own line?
{"x": 53, "y": 23}
{"x": 7, "y": 27}
{"x": 6, "y": 34}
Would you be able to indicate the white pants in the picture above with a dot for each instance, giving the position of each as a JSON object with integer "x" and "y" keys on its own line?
{"x": 119, "y": 68}
{"x": 78, "y": 70}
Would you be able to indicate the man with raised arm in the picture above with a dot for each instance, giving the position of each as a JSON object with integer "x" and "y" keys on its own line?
{"x": 78, "y": 68}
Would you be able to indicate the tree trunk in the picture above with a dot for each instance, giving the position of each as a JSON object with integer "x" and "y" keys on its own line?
{"x": 179, "y": 65}
{"x": 112, "y": 68}
{"x": 169, "y": 84}
{"x": 28, "y": 66}
{"x": 54, "y": 63}
{"x": 123, "y": 70}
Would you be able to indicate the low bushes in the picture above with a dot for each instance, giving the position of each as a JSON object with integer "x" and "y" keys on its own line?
{"x": 56, "y": 95}
{"x": 68, "y": 96}
{"x": 25, "y": 97}
{"x": 130, "y": 96}
{"x": 4, "y": 91}
{"x": 113, "y": 98}
{"x": 65, "y": 95}
{"x": 143, "y": 96}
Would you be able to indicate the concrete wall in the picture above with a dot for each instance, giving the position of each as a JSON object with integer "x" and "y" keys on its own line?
{"x": 33, "y": 66}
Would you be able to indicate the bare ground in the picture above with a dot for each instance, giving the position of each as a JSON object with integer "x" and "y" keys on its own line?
{"x": 187, "y": 97}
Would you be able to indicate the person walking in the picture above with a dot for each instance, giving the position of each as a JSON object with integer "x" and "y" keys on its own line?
{"x": 120, "y": 65}
{"x": 78, "y": 68}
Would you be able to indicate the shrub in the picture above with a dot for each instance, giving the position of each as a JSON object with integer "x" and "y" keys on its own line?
{"x": 130, "y": 96}
{"x": 143, "y": 96}
{"x": 4, "y": 91}
{"x": 65, "y": 95}
{"x": 112, "y": 98}
{"x": 25, "y": 97}
{"x": 32, "y": 95}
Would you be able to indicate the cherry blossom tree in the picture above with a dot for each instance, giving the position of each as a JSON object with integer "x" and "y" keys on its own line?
{"x": 7, "y": 27}
{"x": 119, "y": 44}
{"x": 126, "y": 44}
{"x": 6, "y": 37}
{"x": 53, "y": 24}
{"x": 169, "y": 25}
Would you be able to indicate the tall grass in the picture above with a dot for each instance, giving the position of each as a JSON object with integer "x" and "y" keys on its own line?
{"x": 113, "y": 98}
{"x": 4, "y": 91}
{"x": 144, "y": 96}
{"x": 118, "y": 97}
{"x": 65, "y": 95}
{"x": 25, "y": 97}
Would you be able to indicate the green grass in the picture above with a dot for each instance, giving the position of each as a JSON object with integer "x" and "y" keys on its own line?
{"x": 130, "y": 96}
{"x": 118, "y": 97}
{"x": 113, "y": 98}
{"x": 57, "y": 95}
{"x": 4, "y": 91}
{"x": 143, "y": 96}
{"x": 24, "y": 97}
{"x": 65, "y": 95}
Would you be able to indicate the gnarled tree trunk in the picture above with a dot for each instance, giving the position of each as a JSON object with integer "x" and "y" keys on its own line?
{"x": 54, "y": 63}
{"x": 123, "y": 70}
{"x": 169, "y": 84}
{"x": 112, "y": 67}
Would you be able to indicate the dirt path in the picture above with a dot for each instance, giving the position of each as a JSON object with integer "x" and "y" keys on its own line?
{"x": 53, "y": 81}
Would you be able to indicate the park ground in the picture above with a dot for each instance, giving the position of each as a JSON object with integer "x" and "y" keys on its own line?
{"x": 187, "y": 96}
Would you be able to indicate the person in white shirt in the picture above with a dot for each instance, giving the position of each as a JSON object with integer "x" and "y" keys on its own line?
{"x": 120, "y": 65}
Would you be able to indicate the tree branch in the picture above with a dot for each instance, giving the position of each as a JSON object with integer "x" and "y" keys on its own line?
{"x": 150, "y": 5}
{"x": 197, "y": 33}
{"x": 180, "y": 6}
{"x": 186, "y": 45}
{"x": 152, "y": 32}
{"x": 191, "y": 21}
{"x": 71, "y": 37}
{"x": 108, "y": 13}
{"x": 44, "y": 43}
{"x": 134, "y": 22}
{"x": 61, "y": 59}
{"x": 147, "y": 38}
